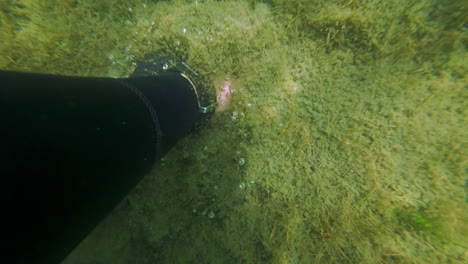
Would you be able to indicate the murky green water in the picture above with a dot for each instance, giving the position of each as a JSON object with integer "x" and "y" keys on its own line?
{"x": 346, "y": 142}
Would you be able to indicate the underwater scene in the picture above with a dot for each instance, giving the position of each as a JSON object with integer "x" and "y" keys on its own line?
{"x": 345, "y": 140}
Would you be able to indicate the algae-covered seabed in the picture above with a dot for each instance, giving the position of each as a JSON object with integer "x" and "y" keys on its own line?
{"x": 346, "y": 142}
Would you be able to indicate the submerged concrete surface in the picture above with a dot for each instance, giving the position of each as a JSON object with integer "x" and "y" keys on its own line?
{"x": 345, "y": 142}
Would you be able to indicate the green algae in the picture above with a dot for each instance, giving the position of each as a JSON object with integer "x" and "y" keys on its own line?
{"x": 350, "y": 117}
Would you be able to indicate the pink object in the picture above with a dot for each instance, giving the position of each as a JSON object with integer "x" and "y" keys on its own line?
{"x": 224, "y": 96}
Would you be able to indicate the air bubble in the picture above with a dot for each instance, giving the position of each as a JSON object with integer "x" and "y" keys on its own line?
{"x": 211, "y": 215}
{"x": 234, "y": 116}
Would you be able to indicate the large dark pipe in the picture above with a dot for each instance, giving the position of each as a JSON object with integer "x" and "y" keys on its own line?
{"x": 72, "y": 147}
